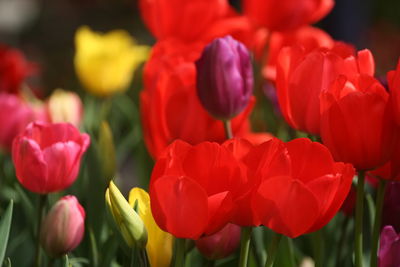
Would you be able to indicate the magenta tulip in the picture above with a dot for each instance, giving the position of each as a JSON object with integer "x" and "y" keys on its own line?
{"x": 47, "y": 156}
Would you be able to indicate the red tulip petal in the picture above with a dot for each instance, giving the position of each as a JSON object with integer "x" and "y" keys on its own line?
{"x": 286, "y": 206}
{"x": 179, "y": 206}
{"x": 219, "y": 211}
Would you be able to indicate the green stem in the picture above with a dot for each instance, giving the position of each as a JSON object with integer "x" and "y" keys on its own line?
{"x": 342, "y": 239}
{"x": 377, "y": 222}
{"x": 40, "y": 215}
{"x": 244, "y": 246}
{"x": 228, "y": 129}
{"x": 272, "y": 249}
{"x": 358, "y": 239}
{"x": 318, "y": 248}
{"x": 291, "y": 252}
{"x": 180, "y": 252}
{"x": 256, "y": 246}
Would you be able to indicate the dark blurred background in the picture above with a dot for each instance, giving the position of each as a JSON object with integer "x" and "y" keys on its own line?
{"x": 44, "y": 30}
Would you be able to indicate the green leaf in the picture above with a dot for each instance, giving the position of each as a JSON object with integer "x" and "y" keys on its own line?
{"x": 5, "y": 224}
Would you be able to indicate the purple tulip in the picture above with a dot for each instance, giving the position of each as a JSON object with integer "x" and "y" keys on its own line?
{"x": 391, "y": 206}
{"x": 221, "y": 244}
{"x": 224, "y": 78}
{"x": 389, "y": 250}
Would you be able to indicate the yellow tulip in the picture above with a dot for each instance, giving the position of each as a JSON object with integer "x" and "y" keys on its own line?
{"x": 159, "y": 245}
{"x": 128, "y": 221}
{"x": 105, "y": 63}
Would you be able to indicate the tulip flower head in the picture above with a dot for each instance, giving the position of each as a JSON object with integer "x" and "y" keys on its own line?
{"x": 282, "y": 201}
{"x": 205, "y": 179}
{"x": 388, "y": 255}
{"x": 63, "y": 227}
{"x": 13, "y": 69}
{"x": 47, "y": 156}
{"x": 105, "y": 63}
{"x": 224, "y": 78}
{"x": 64, "y": 106}
{"x": 15, "y": 115}
{"x": 160, "y": 243}
{"x": 285, "y": 15}
{"x": 128, "y": 221}
{"x": 221, "y": 244}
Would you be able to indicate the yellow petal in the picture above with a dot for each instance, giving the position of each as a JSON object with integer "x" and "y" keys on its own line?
{"x": 159, "y": 245}
{"x": 130, "y": 224}
{"x": 105, "y": 63}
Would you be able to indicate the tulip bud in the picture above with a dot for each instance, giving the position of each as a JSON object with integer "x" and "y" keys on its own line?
{"x": 389, "y": 248}
{"x": 224, "y": 78}
{"x": 107, "y": 151}
{"x": 64, "y": 106}
{"x": 62, "y": 229}
{"x": 221, "y": 244}
{"x": 128, "y": 221}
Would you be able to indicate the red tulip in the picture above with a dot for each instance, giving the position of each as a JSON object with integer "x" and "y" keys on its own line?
{"x": 391, "y": 169}
{"x": 194, "y": 188}
{"x": 310, "y": 38}
{"x": 173, "y": 19}
{"x": 283, "y": 15}
{"x": 393, "y": 78}
{"x": 47, "y": 156}
{"x": 13, "y": 69}
{"x": 63, "y": 227}
{"x": 221, "y": 244}
{"x": 310, "y": 193}
{"x": 299, "y": 91}
{"x": 170, "y": 108}
{"x": 357, "y": 123}
{"x": 15, "y": 115}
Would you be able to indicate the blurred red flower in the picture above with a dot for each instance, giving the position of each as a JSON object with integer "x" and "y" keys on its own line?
{"x": 284, "y": 15}
{"x": 192, "y": 21}
{"x": 13, "y": 69}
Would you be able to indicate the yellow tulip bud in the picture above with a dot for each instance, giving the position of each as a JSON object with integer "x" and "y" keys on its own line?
{"x": 105, "y": 63}
{"x": 107, "y": 150}
{"x": 64, "y": 106}
{"x": 128, "y": 221}
{"x": 159, "y": 245}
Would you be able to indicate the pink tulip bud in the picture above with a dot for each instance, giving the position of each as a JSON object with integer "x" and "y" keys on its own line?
{"x": 221, "y": 244}
{"x": 62, "y": 229}
{"x": 47, "y": 156}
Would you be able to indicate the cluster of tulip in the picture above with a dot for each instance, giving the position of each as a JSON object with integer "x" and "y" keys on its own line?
{"x": 215, "y": 180}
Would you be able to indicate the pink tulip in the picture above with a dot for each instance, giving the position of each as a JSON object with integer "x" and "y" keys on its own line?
{"x": 63, "y": 227}
{"x": 47, "y": 156}
{"x": 15, "y": 115}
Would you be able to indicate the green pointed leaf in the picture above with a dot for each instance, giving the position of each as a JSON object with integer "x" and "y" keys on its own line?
{"x": 5, "y": 224}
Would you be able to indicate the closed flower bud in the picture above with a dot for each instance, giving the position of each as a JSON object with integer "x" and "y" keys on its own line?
{"x": 62, "y": 229}
{"x": 128, "y": 221}
{"x": 64, "y": 106}
{"x": 389, "y": 248}
{"x": 107, "y": 151}
{"x": 221, "y": 244}
{"x": 224, "y": 78}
